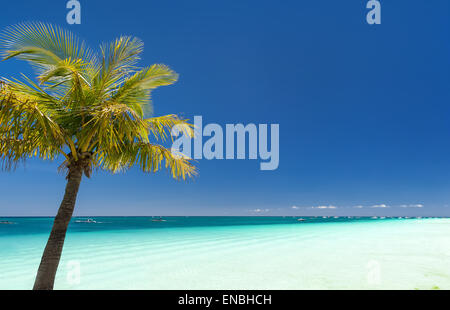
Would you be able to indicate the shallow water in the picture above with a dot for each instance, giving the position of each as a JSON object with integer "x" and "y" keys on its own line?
{"x": 233, "y": 253}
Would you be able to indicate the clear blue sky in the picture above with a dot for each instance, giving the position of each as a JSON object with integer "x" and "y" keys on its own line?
{"x": 363, "y": 110}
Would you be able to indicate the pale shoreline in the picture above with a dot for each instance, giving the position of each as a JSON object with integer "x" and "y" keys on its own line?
{"x": 388, "y": 254}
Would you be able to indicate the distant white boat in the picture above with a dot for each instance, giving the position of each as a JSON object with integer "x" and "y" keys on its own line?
{"x": 86, "y": 221}
{"x": 374, "y": 217}
{"x": 159, "y": 220}
{"x": 300, "y": 220}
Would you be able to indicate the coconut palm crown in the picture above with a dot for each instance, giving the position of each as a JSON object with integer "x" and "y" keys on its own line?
{"x": 90, "y": 109}
{"x": 87, "y": 108}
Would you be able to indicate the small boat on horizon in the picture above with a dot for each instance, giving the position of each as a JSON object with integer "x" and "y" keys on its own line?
{"x": 301, "y": 220}
{"x": 160, "y": 219}
{"x": 86, "y": 221}
{"x": 6, "y": 222}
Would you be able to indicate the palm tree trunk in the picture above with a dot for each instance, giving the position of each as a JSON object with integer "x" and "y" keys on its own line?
{"x": 45, "y": 277}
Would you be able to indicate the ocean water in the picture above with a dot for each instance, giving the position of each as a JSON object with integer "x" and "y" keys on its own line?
{"x": 233, "y": 253}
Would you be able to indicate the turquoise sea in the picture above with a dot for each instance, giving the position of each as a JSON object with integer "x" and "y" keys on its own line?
{"x": 233, "y": 253}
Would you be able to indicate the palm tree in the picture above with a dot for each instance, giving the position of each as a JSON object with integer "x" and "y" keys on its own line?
{"x": 90, "y": 109}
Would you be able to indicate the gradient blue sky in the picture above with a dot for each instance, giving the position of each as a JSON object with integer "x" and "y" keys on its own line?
{"x": 363, "y": 110}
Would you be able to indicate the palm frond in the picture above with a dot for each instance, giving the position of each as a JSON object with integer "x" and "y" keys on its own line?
{"x": 110, "y": 125}
{"x": 135, "y": 90}
{"x": 118, "y": 61}
{"x": 45, "y": 47}
{"x": 149, "y": 157}
{"x": 161, "y": 126}
{"x": 26, "y": 129}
